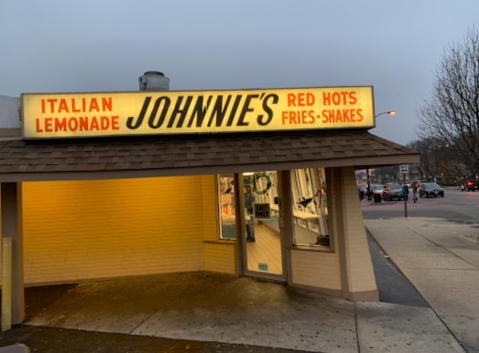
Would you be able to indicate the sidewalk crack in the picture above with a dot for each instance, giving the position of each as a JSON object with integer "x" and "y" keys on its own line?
{"x": 357, "y": 327}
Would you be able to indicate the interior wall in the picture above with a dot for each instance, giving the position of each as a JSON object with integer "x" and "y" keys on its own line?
{"x": 87, "y": 230}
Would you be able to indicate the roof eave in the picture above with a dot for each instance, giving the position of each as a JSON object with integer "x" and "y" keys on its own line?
{"x": 356, "y": 162}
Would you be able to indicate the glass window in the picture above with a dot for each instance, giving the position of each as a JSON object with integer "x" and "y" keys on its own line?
{"x": 310, "y": 207}
{"x": 226, "y": 206}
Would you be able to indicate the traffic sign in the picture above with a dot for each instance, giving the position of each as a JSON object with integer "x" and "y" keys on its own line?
{"x": 404, "y": 169}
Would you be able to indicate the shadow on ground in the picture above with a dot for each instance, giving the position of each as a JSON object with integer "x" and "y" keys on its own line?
{"x": 51, "y": 340}
{"x": 393, "y": 287}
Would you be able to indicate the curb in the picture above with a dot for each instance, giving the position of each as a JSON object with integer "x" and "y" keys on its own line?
{"x": 393, "y": 263}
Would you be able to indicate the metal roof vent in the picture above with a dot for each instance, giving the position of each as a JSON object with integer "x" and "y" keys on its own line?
{"x": 154, "y": 81}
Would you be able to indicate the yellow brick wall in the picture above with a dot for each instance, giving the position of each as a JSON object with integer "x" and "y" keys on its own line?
{"x": 85, "y": 230}
{"x": 209, "y": 206}
{"x": 358, "y": 258}
{"x": 220, "y": 258}
{"x": 316, "y": 269}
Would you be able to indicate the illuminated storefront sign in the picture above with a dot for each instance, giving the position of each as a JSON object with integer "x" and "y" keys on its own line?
{"x": 179, "y": 112}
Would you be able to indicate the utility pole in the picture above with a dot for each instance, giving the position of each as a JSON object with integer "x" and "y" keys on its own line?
{"x": 369, "y": 185}
{"x": 404, "y": 169}
{"x": 405, "y": 197}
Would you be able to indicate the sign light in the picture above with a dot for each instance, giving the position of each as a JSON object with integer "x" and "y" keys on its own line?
{"x": 178, "y": 112}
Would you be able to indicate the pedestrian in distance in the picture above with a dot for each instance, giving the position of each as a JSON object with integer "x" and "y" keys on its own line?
{"x": 248, "y": 204}
{"x": 405, "y": 192}
{"x": 414, "y": 192}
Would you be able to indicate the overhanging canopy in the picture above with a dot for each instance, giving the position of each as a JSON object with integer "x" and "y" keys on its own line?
{"x": 150, "y": 156}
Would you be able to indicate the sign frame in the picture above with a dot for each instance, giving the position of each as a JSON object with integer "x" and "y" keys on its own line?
{"x": 404, "y": 169}
{"x": 371, "y": 120}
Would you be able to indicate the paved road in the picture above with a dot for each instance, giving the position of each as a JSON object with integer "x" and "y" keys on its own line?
{"x": 456, "y": 206}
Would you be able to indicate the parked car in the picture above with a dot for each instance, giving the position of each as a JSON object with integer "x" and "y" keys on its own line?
{"x": 392, "y": 191}
{"x": 470, "y": 185}
{"x": 430, "y": 189}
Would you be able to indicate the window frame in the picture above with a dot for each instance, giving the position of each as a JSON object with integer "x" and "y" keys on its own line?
{"x": 219, "y": 215}
{"x": 294, "y": 184}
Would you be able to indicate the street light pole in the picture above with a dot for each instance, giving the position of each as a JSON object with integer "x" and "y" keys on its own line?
{"x": 369, "y": 186}
{"x": 391, "y": 112}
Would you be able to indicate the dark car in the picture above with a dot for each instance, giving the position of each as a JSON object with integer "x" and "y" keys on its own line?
{"x": 470, "y": 185}
{"x": 392, "y": 191}
{"x": 430, "y": 189}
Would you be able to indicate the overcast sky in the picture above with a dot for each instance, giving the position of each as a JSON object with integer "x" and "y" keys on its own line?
{"x": 78, "y": 46}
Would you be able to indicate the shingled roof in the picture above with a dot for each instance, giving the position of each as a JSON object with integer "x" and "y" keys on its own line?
{"x": 201, "y": 154}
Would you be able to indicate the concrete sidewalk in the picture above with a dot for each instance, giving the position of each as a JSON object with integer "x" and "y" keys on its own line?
{"x": 207, "y": 307}
{"x": 441, "y": 259}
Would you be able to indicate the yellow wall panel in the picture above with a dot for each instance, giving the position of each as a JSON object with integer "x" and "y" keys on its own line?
{"x": 210, "y": 208}
{"x": 358, "y": 257}
{"x": 220, "y": 258}
{"x": 316, "y": 269}
{"x": 85, "y": 230}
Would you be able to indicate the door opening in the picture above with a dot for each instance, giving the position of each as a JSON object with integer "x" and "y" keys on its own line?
{"x": 263, "y": 243}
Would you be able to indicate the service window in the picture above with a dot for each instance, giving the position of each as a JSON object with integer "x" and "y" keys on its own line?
{"x": 310, "y": 207}
{"x": 226, "y": 206}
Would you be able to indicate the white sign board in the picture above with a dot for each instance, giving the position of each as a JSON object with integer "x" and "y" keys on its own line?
{"x": 404, "y": 169}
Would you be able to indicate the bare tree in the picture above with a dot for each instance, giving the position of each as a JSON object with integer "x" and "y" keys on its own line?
{"x": 437, "y": 158}
{"x": 451, "y": 114}
{"x": 387, "y": 174}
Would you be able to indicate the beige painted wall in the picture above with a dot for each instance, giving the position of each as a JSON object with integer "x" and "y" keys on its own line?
{"x": 360, "y": 272}
{"x": 316, "y": 269}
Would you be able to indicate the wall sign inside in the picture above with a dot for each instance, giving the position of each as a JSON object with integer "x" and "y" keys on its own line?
{"x": 262, "y": 211}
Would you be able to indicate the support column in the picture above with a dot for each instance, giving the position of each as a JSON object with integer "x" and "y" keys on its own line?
{"x": 357, "y": 273}
{"x": 12, "y": 226}
{"x": 286, "y": 215}
{"x": 239, "y": 215}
